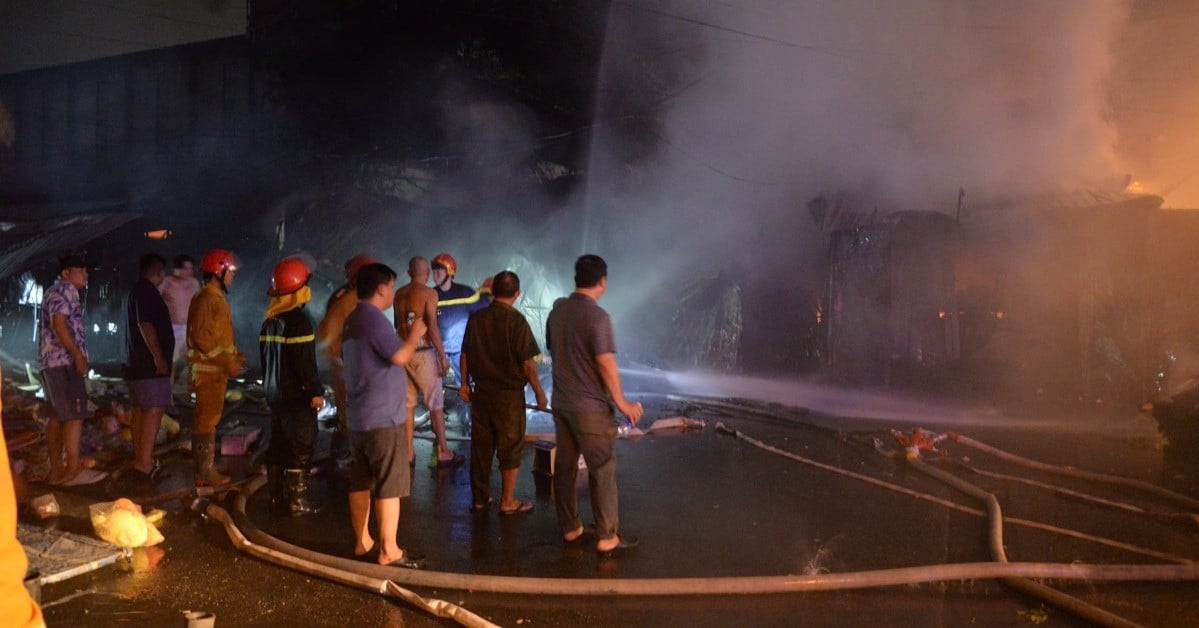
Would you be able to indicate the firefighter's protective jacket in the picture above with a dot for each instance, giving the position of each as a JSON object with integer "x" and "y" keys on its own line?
{"x": 328, "y": 332}
{"x": 211, "y": 348}
{"x": 287, "y": 347}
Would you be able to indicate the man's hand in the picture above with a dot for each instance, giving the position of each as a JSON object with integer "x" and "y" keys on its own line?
{"x": 542, "y": 402}
{"x": 464, "y": 393}
{"x": 317, "y": 403}
{"x": 81, "y": 366}
{"x": 443, "y": 365}
{"x": 418, "y": 328}
{"x": 160, "y": 366}
{"x": 632, "y": 410}
{"x": 239, "y": 369}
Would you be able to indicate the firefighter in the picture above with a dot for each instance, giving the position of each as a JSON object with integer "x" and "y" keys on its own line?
{"x": 213, "y": 357}
{"x": 328, "y": 332}
{"x": 287, "y": 347}
{"x": 455, "y": 303}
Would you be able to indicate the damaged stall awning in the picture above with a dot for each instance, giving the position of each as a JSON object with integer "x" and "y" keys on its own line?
{"x": 56, "y": 228}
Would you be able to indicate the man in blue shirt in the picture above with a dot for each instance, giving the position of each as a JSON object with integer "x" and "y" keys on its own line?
{"x": 376, "y": 384}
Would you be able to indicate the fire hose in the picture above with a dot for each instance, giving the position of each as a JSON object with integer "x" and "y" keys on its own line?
{"x": 388, "y": 580}
{"x": 996, "y": 520}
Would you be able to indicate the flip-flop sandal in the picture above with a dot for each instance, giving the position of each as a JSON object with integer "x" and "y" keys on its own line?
{"x": 407, "y": 562}
{"x": 478, "y": 508}
{"x": 85, "y": 477}
{"x": 625, "y": 545}
{"x": 522, "y": 508}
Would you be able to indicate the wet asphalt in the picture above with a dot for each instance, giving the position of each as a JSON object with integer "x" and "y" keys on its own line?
{"x": 703, "y": 504}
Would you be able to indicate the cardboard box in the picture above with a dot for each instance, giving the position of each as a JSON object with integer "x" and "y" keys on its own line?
{"x": 239, "y": 440}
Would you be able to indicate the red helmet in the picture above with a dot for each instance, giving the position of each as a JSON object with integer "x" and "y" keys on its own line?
{"x": 290, "y": 275}
{"x": 354, "y": 264}
{"x": 447, "y": 261}
{"x": 217, "y": 261}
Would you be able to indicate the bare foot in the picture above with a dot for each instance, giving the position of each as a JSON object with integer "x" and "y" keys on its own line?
{"x": 362, "y": 549}
{"x": 573, "y": 535}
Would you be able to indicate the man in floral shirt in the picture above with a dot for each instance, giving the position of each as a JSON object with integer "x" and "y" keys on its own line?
{"x": 62, "y": 353}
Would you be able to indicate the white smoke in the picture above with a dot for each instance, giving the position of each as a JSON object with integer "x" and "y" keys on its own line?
{"x": 771, "y": 103}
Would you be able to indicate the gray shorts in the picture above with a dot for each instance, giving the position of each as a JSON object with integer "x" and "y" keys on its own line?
{"x": 379, "y": 462}
{"x": 67, "y": 392}
{"x": 150, "y": 393}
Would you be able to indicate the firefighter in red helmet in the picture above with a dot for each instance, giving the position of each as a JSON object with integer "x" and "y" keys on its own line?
{"x": 287, "y": 348}
{"x": 213, "y": 357}
{"x": 328, "y": 337}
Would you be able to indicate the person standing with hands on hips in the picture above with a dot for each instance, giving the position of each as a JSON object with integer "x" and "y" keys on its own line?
{"x": 580, "y": 339}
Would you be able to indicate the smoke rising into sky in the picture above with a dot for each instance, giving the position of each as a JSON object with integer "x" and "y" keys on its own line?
{"x": 765, "y": 105}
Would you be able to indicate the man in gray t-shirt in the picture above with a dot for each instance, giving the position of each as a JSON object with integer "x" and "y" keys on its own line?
{"x": 586, "y": 383}
{"x": 375, "y": 386}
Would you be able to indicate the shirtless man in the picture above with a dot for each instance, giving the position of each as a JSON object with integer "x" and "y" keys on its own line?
{"x": 177, "y": 289}
{"x": 417, "y": 301}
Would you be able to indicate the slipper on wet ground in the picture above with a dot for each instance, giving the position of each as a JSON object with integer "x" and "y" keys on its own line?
{"x": 625, "y": 545}
{"x": 407, "y": 561}
{"x": 478, "y": 508}
{"x": 84, "y": 477}
{"x": 520, "y": 508}
{"x": 578, "y": 540}
{"x": 456, "y": 461}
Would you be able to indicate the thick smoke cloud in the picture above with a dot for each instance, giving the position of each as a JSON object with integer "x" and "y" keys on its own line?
{"x": 768, "y": 104}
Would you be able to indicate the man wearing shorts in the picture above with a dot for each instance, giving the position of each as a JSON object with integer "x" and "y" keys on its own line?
{"x": 498, "y": 360}
{"x": 149, "y": 342}
{"x": 62, "y": 354}
{"x": 376, "y": 385}
{"x": 427, "y": 368}
{"x": 177, "y": 289}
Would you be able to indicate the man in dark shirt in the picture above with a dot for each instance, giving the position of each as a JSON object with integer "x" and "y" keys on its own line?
{"x": 150, "y": 343}
{"x": 287, "y": 348}
{"x": 498, "y": 359}
{"x": 586, "y": 383}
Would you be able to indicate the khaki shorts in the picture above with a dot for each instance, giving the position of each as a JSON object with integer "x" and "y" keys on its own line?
{"x": 424, "y": 375}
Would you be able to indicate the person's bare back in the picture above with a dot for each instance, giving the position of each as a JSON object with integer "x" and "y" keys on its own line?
{"x": 417, "y": 301}
{"x": 414, "y": 302}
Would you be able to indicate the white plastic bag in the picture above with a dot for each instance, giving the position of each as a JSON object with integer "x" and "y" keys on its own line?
{"x": 122, "y": 523}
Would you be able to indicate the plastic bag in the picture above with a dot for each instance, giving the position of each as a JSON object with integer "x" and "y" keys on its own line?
{"x": 122, "y": 523}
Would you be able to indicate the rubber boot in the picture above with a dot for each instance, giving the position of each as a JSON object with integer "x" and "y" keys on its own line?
{"x": 299, "y": 502}
{"x": 204, "y": 454}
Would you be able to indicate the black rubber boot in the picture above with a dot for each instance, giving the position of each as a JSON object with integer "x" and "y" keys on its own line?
{"x": 299, "y": 501}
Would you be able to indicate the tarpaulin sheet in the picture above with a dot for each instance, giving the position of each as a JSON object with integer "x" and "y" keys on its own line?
{"x": 56, "y": 556}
